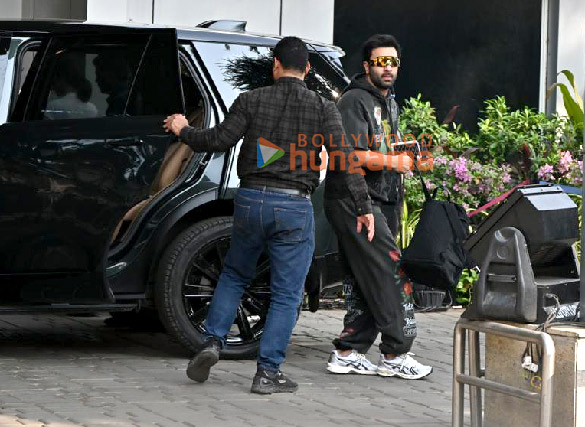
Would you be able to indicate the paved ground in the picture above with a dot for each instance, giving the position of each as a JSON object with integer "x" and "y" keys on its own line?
{"x": 72, "y": 371}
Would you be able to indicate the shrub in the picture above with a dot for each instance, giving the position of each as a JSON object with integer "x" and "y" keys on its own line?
{"x": 473, "y": 169}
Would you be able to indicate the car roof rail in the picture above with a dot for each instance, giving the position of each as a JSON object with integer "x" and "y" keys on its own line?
{"x": 225, "y": 24}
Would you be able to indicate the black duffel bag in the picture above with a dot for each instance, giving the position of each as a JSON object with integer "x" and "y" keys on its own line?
{"x": 435, "y": 256}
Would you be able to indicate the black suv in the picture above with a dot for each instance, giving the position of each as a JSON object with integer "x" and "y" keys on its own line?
{"x": 100, "y": 209}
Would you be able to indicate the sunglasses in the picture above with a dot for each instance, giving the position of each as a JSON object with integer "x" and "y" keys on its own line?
{"x": 382, "y": 61}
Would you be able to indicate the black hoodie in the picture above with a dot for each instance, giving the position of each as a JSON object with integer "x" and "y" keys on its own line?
{"x": 369, "y": 119}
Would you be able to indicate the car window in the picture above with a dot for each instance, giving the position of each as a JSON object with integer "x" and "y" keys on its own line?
{"x": 324, "y": 79}
{"x": 236, "y": 68}
{"x": 194, "y": 100}
{"x": 156, "y": 90}
{"x": 4, "y": 48}
{"x": 24, "y": 65}
{"x": 28, "y": 55}
{"x": 86, "y": 77}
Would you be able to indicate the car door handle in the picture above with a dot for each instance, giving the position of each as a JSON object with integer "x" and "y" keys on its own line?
{"x": 124, "y": 142}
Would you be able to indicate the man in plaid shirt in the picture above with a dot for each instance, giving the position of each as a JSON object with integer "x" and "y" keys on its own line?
{"x": 272, "y": 207}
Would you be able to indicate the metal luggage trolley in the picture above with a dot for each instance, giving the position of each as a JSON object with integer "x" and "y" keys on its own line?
{"x": 475, "y": 380}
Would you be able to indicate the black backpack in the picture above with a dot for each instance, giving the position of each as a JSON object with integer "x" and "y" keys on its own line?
{"x": 435, "y": 256}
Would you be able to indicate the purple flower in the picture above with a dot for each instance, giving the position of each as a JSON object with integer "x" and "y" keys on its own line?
{"x": 546, "y": 173}
{"x": 460, "y": 167}
{"x": 565, "y": 161}
{"x": 440, "y": 161}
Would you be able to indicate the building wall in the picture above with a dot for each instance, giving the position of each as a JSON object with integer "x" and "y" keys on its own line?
{"x": 11, "y": 9}
{"x": 43, "y": 9}
{"x": 455, "y": 53}
{"x": 309, "y": 19}
{"x": 263, "y": 16}
{"x": 571, "y": 45}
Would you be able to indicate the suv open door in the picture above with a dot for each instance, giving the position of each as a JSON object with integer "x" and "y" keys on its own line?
{"x": 83, "y": 144}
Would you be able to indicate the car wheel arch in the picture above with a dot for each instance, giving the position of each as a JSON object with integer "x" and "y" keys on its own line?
{"x": 193, "y": 211}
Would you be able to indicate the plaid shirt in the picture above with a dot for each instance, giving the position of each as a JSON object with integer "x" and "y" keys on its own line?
{"x": 285, "y": 117}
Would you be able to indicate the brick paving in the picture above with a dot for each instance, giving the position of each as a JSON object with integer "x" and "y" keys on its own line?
{"x": 61, "y": 371}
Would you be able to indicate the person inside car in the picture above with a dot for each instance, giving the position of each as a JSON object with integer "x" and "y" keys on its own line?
{"x": 70, "y": 92}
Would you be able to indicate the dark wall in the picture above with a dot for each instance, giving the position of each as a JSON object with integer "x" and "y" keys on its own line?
{"x": 454, "y": 52}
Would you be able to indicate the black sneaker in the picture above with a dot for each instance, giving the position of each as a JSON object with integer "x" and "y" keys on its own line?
{"x": 200, "y": 365}
{"x": 267, "y": 382}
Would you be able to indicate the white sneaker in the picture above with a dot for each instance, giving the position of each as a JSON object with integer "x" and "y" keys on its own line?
{"x": 355, "y": 363}
{"x": 403, "y": 366}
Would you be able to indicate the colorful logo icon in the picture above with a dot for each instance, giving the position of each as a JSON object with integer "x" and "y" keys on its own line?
{"x": 267, "y": 152}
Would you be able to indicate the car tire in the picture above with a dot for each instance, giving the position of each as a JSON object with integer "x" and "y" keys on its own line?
{"x": 187, "y": 276}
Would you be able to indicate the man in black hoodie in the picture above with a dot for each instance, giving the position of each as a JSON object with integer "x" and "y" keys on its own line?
{"x": 379, "y": 295}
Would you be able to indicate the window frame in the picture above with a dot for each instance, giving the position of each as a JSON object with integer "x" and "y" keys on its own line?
{"x": 19, "y": 101}
{"x": 184, "y": 58}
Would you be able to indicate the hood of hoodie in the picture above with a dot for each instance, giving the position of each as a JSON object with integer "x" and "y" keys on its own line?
{"x": 359, "y": 81}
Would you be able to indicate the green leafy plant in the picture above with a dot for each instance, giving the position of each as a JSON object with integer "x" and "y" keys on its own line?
{"x": 472, "y": 169}
{"x": 573, "y": 102}
{"x": 463, "y": 288}
{"x": 464, "y": 181}
{"x": 407, "y": 225}
{"x": 418, "y": 118}
{"x": 504, "y": 134}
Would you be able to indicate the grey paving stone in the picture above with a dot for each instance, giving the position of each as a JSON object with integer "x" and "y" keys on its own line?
{"x": 76, "y": 372}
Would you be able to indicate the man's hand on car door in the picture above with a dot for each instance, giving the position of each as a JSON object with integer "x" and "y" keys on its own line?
{"x": 175, "y": 123}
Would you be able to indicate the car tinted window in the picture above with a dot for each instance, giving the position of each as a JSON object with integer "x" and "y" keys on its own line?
{"x": 87, "y": 76}
{"x": 194, "y": 99}
{"x": 157, "y": 90}
{"x": 324, "y": 79}
{"x": 236, "y": 68}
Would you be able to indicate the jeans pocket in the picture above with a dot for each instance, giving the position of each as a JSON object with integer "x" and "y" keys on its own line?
{"x": 291, "y": 224}
{"x": 241, "y": 218}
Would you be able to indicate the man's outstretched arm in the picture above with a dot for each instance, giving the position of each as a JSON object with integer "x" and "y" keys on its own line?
{"x": 219, "y": 138}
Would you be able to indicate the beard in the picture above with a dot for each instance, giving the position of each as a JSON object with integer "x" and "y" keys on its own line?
{"x": 379, "y": 82}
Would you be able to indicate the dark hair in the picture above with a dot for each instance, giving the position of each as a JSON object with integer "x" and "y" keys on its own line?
{"x": 379, "y": 40}
{"x": 292, "y": 53}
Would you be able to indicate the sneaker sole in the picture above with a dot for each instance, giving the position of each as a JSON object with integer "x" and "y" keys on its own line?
{"x": 198, "y": 368}
{"x": 271, "y": 389}
{"x": 403, "y": 376}
{"x": 348, "y": 370}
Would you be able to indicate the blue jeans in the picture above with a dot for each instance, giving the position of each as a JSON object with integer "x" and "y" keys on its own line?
{"x": 284, "y": 226}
